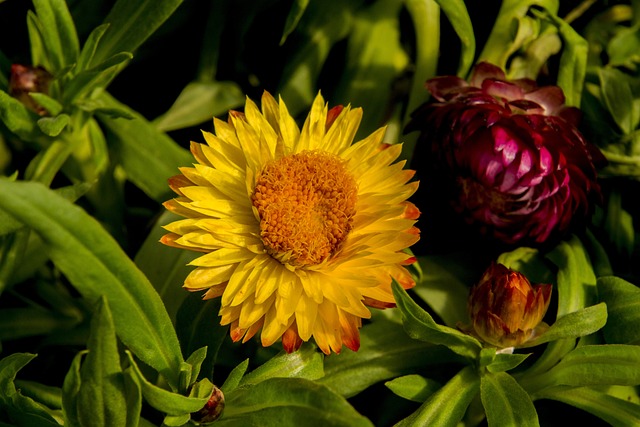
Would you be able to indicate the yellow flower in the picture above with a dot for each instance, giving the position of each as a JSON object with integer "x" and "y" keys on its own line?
{"x": 301, "y": 230}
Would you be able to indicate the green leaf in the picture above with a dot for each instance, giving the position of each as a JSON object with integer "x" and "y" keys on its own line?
{"x": 305, "y": 363}
{"x": 614, "y": 411}
{"x": 420, "y": 325}
{"x": 97, "y": 77}
{"x": 447, "y": 406}
{"x": 199, "y": 102}
{"x": 288, "y": 401}
{"x": 169, "y": 402}
{"x": 52, "y": 126}
{"x": 293, "y": 17}
{"x": 573, "y": 325}
{"x": 505, "y": 402}
{"x": 101, "y": 398}
{"x": 30, "y": 321}
{"x": 95, "y": 264}
{"x": 195, "y": 361}
{"x": 89, "y": 48}
{"x": 17, "y": 118}
{"x": 131, "y": 23}
{"x": 70, "y": 389}
{"x": 445, "y": 284}
{"x": 375, "y": 59}
{"x": 385, "y": 352}
{"x": 502, "y": 362}
{"x": 413, "y": 387}
{"x": 148, "y": 156}
{"x": 618, "y": 224}
{"x": 321, "y": 26}
{"x": 623, "y": 304}
{"x": 58, "y": 33}
{"x": 530, "y": 262}
{"x": 52, "y": 106}
{"x": 234, "y": 377}
{"x": 618, "y": 98}
{"x": 20, "y": 410}
{"x": 47, "y": 395}
{"x": 573, "y": 62}
{"x": 457, "y": 14}
{"x": 622, "y": 48}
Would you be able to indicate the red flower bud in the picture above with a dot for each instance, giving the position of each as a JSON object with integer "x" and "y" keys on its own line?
{"x": 505, "y": 309}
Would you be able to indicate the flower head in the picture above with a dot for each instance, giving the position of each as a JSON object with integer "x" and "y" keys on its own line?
{"x": 301, "y": 230}
{"x": 509, "y": 155}
{"x": 505, "y": 309}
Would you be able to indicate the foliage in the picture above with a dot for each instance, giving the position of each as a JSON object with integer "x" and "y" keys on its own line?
{"x": 94, "y": 326}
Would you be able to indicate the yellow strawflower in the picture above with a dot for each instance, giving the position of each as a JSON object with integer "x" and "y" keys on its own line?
{"x": 301, "y": 229}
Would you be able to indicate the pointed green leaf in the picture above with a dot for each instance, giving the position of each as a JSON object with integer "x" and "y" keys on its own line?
{"x": 52, "y": 106}
{"x": 131, "y": 23}
{"x": 447, "y": 406}
{"x": 20, "y": 410}
{"x": 304, "y": 363}
{"x": 573, "y": 325}
{"x": 420, "y": 325}
{"x": 17, "y": 118}
{"x": 148, "y": 156}
{"x": 90, "y": 46}
{"x": 30, "y": 321}
{"x": 505, "y": 402}
{"x": 169, "y": 402}
{"x": 618, "y": 98}
{"x": 288, "y": 401}
{"x": 505, "y": 362}
{"x": 195, "y": 362}
{"x": 614, "y": 411}
{"x": 386, "y": 352}
{"x": 456, "y": 13}
{"x": 52, "y": 126}
{"x": 623, "y": 304}
{"x": 58, "y": 31}
{"x": 198, "y": 103}
{"x": 97, "y": 77}
{"x": 96, "y": 265}
{"x": 70, "y": 389}
{"x": 293, "y": 17}
{"x": 235, "y": 376}
{"x": 101, "y": 398}
{"x": 413, "y": 387}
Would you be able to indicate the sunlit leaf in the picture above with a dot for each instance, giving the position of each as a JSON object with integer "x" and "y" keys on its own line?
{"x": 304, "y": 363}
{"x": 446, "y": 407}
{"x": 623, "y": 304}
{"x": 505, "y": 402}
{"x": 413, "y": 387}
{"x": 95, "y": 264}
{"x": 277, "y": 402}
{"x": 52, "y": 126}
{"x": 420, "y": 325}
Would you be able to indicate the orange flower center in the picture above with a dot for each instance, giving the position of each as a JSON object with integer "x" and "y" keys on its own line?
{"x": 306, "y": 204}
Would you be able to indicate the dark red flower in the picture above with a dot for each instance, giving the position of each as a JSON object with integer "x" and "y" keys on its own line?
{"x": 509, "y": 154}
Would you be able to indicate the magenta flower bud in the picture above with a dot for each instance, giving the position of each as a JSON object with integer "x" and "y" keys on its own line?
{"x": 26, "y": 79}
{"x": 509, "y": 155}
{"x": 211, "y": 410}
{"x": 505, "y": 309}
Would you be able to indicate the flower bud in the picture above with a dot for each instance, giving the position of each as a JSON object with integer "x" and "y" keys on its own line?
{"x": 505, "y": 309}
{"x": 25, "y": 79}
{"x": 211, "y": 410}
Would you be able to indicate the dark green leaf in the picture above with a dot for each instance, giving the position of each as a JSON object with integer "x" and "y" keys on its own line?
{"x": 614, "y": 411}
{"x": 52, "y": 126}
{"x": 95, "y": 264}
{"x": 385, "y": 352}
{"x": 89, "y": 48}
{"x": 20, "y": 410}
{"x": 456, "y": 13}
{"x": 574, "y": 325}
{"x": 58, "y": 32}
{"x": 618, "y": 224}
{"x": 304, "y": 363}
{"x": 573, "y": 62}
{"x": 420, "y": 325}
{"x": 288, "y": 401}
{"x": 530, "y": 262}
{"x": 101, "y": 398}
{"x": 413, "y": 387}
{"x": 505, "y": 402}
{"x": 29, "y": 321}
{"x": 447, "y": 406}
{"x": 148, "y": 156}
{"x": 169, "y": 402}
{"x": 295, "y": 13}
{"x": 623, "y": 304}
{"x": 47, "y": 395}
{"x": 618, "y": 98}
{"x": 235, "y": 376}
{"x": 70, "y": 389}
{"x": 199, "y": 102}
{"x": 131, "y": 23}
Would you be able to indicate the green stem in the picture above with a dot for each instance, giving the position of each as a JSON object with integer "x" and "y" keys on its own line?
{"x": 45, "y": 167}
{"x": 426, "y": 21}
